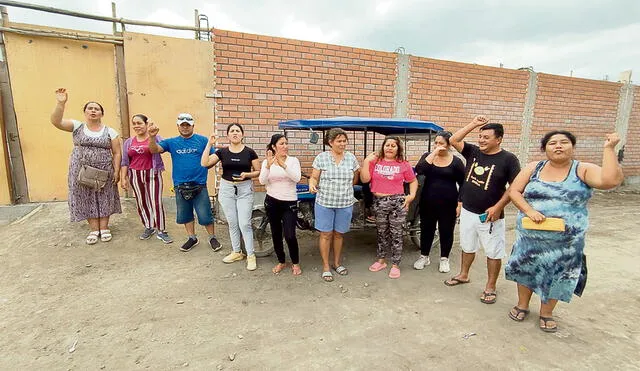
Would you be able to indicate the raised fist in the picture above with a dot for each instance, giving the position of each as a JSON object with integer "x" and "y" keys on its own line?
{"x": 153, "y": 129}
{"x": 480, "y": 120}
{"x": 612, "y": 140}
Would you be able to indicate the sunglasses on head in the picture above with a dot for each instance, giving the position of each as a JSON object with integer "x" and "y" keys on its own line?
{"x": 185, "y": 118}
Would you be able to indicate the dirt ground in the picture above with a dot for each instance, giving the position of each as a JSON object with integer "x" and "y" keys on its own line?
{"x": 131, "y": 304}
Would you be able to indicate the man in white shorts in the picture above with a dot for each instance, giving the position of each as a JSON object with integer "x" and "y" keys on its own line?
{"x": 483, "y": 195}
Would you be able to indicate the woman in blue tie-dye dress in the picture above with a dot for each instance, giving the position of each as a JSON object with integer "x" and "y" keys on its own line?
{"x": 552, "y": 264}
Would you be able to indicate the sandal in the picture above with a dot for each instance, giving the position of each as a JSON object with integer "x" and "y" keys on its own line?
{"x": 278, "y": 268}
{"x": 341, "y": 270}
{"x": 377, "y": 266}
{"x": 516, "y": 317}
{"x": 105, "y": 235}
{"x": 296, "y": 270}
{"x": 545, "y": 328}
{"x": 394, "y": 272}
{"x": 455, "y": 281}
{"x": 92, "y": 238}
{"x": 327, "y": 276}
{"x": 492, "y": 295}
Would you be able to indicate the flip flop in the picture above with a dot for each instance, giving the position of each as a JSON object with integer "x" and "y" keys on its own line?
{"x": 489, "y": 301}
{"x": 341, "y": 270}
{"x": 296, "y": 270}
{"x": 519, "y": 311}
{"x": 278, "y": 268}
{"x": 455, "y": 281}
{"x": 327, "y": 276}
{"x": 545, "y": 328}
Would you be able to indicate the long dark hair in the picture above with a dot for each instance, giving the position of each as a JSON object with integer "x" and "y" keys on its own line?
{"x": 399, "y": 154}
{"x": 274, "y": 139}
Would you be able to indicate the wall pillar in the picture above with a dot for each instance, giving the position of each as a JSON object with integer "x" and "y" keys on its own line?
{"x": 527, "y": 118}
{"x": 401, "y": 93}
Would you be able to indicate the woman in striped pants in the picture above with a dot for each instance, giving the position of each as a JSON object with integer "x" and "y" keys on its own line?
{"x": 142, "y": 171}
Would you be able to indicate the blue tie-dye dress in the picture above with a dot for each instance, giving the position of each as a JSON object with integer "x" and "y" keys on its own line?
{"x": 552, "y": 264}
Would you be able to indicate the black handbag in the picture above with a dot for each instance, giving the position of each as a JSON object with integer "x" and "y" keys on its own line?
{"x": 582, "y": 280}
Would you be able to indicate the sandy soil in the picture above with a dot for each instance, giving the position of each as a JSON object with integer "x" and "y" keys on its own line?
{"x": 131, "y": 304}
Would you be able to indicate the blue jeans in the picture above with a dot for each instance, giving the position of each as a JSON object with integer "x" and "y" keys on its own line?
{"x": 236, "y": 199}
{"x": 200, "y": 203}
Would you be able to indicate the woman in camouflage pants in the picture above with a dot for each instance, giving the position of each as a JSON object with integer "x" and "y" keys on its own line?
{"x": 387, "y": 171}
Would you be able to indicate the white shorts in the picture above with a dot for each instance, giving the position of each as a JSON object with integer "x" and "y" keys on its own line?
{"x": 490, "y": 234}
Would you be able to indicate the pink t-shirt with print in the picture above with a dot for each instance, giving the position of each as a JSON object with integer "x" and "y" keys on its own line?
{"x": 388, "y": 177}
{"x": 140, "y": 157}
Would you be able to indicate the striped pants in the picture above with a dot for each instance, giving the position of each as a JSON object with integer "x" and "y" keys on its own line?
{"x": 147, "y": 187}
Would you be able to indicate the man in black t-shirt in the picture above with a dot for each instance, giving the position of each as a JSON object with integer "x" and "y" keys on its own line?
{"x": 483, "y": 195}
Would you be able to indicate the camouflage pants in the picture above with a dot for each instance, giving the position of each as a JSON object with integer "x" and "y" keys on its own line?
{"x": 390, "y": 216}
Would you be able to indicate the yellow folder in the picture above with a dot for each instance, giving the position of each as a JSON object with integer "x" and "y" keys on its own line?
{"x": 549, "y": 224}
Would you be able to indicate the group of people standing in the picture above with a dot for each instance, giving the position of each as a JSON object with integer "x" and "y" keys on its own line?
{"x": 549, "y": 262}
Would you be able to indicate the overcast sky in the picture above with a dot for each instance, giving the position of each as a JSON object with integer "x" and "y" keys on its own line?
{"x": 595, "y": 39}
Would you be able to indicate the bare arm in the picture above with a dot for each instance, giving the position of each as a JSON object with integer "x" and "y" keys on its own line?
{"x": 58, "y": 112}
{"x": 610, "y": 174}
{"x": 493, "y": 213}
{"x": 413, "y": 188}
{"x": 356, "y": 177}
{"x": 124, "y": 177}
{"x": 153, "y": 145}
{"x": 516, "y": 190}
{"x": 116, "y": 149}
{"x": 209, "y": 160}
{"x": 365, "y": 174}
{"x": 255, "y": 165}
{"x": 457, "y": 138}
{"x": 314, "y": 179}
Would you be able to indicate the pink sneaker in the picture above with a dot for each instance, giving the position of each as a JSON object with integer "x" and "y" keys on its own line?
{"x": 394, "y": 272}
{"x": 377, "y": 266}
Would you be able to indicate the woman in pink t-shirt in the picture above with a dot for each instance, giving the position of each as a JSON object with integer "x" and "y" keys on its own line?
{"x": 142, "y": 171}
{"x": 388, "y": 171}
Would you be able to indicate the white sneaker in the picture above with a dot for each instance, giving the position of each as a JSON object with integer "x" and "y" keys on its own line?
{"x": 233, "y": 257}
{"x": 421, "y": 262}
{"x": 251, "y": 262}
{"x": 444, "y": 265}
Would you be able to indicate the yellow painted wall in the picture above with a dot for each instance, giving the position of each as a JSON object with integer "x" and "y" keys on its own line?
{"x": 38, "y": 66}
{"x": 166, "y": 76}
{"x": 5, "y": 195}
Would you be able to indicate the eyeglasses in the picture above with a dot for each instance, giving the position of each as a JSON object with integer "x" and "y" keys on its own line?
{"x": 185, "y": 118}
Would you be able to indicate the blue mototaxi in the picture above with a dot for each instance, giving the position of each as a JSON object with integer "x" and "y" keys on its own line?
{"x": 406, "y": 129}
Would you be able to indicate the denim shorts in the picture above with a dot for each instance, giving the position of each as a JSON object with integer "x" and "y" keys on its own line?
{"x": 330, "y": 219}
{"x": 200, "y": 203}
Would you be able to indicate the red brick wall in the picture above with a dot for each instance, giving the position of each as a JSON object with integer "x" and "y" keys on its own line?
{"x": 264, "y": 80}
{"x": 587, "y": 108}
{"x": 452, "y": 93}
{"x": 631, "y": 163}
